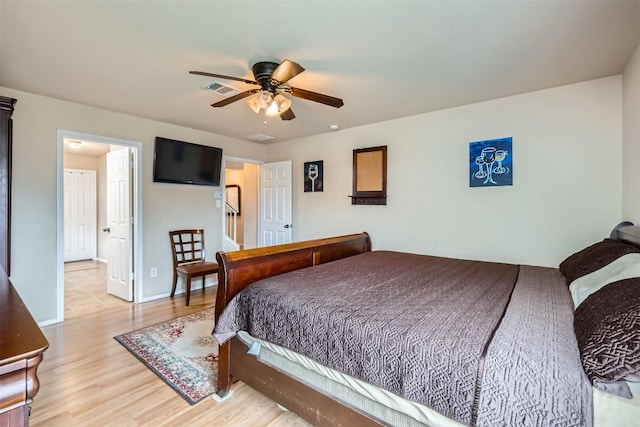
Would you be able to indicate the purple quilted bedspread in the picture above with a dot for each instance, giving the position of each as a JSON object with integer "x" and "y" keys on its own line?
{"x": 461, "y": 337}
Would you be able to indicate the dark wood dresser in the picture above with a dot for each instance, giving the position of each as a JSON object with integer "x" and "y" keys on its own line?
{"x": 21, "y": 346}
{"x": 21, "y": 340}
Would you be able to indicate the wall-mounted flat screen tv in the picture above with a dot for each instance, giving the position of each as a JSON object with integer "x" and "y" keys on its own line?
{"x": 182, "y": 162}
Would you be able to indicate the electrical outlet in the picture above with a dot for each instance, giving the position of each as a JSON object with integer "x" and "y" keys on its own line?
{"x": 153, "y": 272}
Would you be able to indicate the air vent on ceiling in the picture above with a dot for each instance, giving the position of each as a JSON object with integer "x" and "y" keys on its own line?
{"x": 259, "y": 137}
{"x": 222, "y": 89}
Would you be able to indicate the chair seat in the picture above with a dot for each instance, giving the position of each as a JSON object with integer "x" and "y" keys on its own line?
{"x": 198, "y": 268}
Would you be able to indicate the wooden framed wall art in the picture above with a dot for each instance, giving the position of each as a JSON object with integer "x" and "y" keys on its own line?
{"x": 370, "y": 176}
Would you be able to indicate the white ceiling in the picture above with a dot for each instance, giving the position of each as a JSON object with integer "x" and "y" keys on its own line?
{"x": 87, "y": 148}
{"x": 385, "y": 59}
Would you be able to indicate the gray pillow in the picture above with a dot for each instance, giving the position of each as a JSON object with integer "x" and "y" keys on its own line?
{"x": 594, "y": 257}
{"x": 607, "y": 327}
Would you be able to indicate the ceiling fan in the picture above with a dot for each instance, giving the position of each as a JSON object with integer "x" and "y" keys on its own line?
{"x": 271, "y": 78}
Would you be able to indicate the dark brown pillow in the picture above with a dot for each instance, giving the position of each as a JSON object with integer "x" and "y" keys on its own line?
{"x": 607, "y": 326}
{"x": 594, "y": 257}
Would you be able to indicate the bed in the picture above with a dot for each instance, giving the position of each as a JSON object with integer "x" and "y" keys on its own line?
{"x": 343, "y": 335}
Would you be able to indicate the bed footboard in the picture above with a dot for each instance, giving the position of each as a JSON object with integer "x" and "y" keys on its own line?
{"x": 241, "y": 268}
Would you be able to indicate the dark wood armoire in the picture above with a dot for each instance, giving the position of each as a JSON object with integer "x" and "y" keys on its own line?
{"x": 6, "y": 133}
{"x": 21, "y": 340}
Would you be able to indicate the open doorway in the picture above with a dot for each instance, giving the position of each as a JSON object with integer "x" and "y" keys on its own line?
{"x": 241, "y": 179}
{"x": 263, "y": 194}
{"x": 87, "y": 266}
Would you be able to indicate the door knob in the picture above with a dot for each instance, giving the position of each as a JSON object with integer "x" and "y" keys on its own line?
{"x": 288, "y": 226}
{"x": 107, "y": 230}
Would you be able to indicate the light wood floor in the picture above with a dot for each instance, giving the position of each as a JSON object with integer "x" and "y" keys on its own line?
{"x": 85, "y": 289}
{"x": 88, "y": 379}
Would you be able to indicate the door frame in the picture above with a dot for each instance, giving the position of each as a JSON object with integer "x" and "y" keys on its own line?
{"x": 137, "y": 211}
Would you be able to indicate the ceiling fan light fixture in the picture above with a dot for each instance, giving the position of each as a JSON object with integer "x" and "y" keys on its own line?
{"x": 273, "y": 109}
{"x": 272, "y": 79}
{"x": 75, "y": 144}
{"x": 283, "y": 103}
{"x": 265, "y": 99}
{"x": 254, "y": 104}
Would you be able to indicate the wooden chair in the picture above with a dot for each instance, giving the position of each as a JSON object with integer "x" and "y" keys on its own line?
{"x": 188, "y": 259}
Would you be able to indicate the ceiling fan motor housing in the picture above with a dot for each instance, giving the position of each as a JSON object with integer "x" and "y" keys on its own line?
{"x": 262, "y": 72}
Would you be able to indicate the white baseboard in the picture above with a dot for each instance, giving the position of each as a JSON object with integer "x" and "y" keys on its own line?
{"x": 179, "y": 291}
{"x": 155, "y": 297}
{"x": 48, "y": 322}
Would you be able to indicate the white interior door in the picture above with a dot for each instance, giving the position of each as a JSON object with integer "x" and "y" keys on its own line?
{"x": 275, "y": 203}
{"x": 79, "y": 214}
{"x": 120, "y": 277}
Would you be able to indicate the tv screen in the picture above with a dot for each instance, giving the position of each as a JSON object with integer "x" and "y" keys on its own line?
{"x": 182, "y": 162}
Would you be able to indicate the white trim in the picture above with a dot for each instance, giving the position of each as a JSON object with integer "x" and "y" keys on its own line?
{"x": 59, "y": 231}
{"x": 155, "y": 297}
{"x": 48, "y": 323}
{"x": 137, "y": 209}
{"x": 209, "y": 283}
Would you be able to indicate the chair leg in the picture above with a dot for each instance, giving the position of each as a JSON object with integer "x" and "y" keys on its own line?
{"x": 175, "y": 282}
{"x": 203, "y": 277}
{"x": 188, "y": 288}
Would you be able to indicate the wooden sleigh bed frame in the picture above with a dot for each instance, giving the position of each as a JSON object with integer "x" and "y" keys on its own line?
{"x": 242, "y": 268}
{"x": 552, "y": 303}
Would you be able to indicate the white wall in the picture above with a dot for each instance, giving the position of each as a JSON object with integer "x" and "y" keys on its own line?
{"x": 79, "y": 161}
{"x": 566, "y": 191}
{"x": 236, "y": 177}
{"x": 165, "y": 206}
{"x": 631, "y": 140}
{"x": 250, "y": 204}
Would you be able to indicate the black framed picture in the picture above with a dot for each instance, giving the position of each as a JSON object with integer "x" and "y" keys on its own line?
{"x": 313, "y": 176}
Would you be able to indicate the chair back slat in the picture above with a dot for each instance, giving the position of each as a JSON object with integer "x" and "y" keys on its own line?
{"x": 187, "y": 246}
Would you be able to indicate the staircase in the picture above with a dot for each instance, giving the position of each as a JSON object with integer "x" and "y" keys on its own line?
{"x": 231, "y": 227}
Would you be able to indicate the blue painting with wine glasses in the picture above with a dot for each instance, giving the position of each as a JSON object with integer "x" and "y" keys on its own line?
{"x": 491, "y": 163}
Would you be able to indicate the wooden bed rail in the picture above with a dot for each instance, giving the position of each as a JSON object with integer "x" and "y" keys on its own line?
{"x": 239, "y": 269}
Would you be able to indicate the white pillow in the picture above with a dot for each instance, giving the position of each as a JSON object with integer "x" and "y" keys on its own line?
{"x": 625, "y": 267}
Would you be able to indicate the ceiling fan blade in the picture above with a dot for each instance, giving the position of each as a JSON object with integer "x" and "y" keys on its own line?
{"x": 286, "y": 71}
{"x": 222, "y": 76}
{"x": 235, "y": 98}
{"x": 317, "y": 97}
{"x": 287, "y": 115}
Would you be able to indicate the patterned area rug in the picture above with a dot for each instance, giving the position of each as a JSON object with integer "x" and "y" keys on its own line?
{"x": 181, "y": 351}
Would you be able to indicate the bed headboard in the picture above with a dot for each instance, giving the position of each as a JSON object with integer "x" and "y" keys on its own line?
{"x": 626, "y": 231}
{"x": 241, "y": 268}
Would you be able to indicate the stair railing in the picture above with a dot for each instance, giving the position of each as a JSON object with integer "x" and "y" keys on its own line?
{"x": 232, "y": 222}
